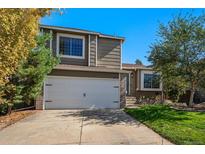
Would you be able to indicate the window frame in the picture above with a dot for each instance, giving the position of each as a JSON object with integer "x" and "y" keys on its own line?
{"x": 70, "y": 36}
{"x": 142, "y": 82}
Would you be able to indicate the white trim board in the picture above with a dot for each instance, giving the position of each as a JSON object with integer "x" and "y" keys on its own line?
{"x": 91, "y": 78}
{"x": 44, "y": 84}
{"x": 119, "y": 80}
{"x": 89, "y": 50}
{"x": 70, "y": 36}
{"x": 96, "y": 50}
{"x": 121, "y": 54}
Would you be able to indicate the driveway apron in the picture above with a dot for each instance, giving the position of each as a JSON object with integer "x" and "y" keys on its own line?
{"x": 79, "y": 127}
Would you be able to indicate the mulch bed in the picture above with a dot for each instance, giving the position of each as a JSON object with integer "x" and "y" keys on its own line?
{"x": 14, "y": 117}
{"x": 179, "y": 106}
{"x": 182, "y": 106}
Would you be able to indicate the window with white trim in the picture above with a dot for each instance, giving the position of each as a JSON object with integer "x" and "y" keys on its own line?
{"x": 71, "y": 46}
{"x": 151, "y": 81}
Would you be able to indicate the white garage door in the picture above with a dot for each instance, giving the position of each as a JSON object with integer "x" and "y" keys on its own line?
{"x": 77, "y": 92}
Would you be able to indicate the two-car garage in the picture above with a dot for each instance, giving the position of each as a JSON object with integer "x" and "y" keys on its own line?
{"x": 81, "y": 92}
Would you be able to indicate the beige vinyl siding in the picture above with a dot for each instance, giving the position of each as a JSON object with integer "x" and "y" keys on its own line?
{"x": 70, "y": 61}
{"x": 133, "y": 83}
{"x": 92, "y": 50}
{"x": 109, "y": 53}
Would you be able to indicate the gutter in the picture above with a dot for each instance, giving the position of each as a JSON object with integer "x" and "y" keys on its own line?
{"x": 89, "y": 69}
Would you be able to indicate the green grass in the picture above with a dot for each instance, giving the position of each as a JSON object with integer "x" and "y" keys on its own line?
{"x": 179, "y": 127}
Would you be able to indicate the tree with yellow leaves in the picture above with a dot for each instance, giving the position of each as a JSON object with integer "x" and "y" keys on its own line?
{"x": 18, "y": 30}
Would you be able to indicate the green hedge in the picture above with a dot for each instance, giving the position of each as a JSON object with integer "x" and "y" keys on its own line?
{"x": 3, "y": 108}
{"x": 19, "y": 106}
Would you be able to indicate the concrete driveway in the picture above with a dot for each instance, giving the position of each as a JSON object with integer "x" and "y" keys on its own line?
{"x": 79, "y": 127}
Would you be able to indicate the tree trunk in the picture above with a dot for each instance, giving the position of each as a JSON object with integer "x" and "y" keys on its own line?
{"x": 191, "y": 98}
{"x": 162, "y": 97}
{"x": 9, "y": 109}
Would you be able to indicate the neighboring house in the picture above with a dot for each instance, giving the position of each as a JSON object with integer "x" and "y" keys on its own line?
{"x": 142, "y": 81}
{"x": 90, "y": 73}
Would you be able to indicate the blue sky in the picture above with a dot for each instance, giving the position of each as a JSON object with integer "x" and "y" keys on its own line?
{"x": 138, "y": 26}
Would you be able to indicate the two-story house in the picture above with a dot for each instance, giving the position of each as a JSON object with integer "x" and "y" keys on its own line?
{"x": 90, "y": 73}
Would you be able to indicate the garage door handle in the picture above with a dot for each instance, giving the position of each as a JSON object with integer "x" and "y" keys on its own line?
{"x": 115, "y": 101}
{"x": 48, "y": 84}
{"x": 115, "y": 86}
{"x": 48, "y": 101}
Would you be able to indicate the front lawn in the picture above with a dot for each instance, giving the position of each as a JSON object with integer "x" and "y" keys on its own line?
{"x": 180, "y": 127}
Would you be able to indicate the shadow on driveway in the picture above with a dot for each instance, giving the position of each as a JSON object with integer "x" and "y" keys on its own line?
{"x": 102, "y": 117}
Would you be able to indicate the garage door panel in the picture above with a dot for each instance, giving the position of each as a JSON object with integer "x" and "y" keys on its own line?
{"x": 58, "y": 105}
{"x": 69, "y": 92}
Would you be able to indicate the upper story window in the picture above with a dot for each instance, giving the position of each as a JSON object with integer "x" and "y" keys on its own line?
{"x": 71, "y": 46}
{"x": 150, "y": 81}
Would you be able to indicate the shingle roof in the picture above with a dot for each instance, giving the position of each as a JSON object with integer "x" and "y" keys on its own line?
{"x": 82, "y": 31}
{"x": 135, "y": 66}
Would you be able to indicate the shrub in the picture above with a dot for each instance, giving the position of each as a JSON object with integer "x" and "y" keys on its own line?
{"x": 27, "y": 82}
{"x": 4, "y": 108}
